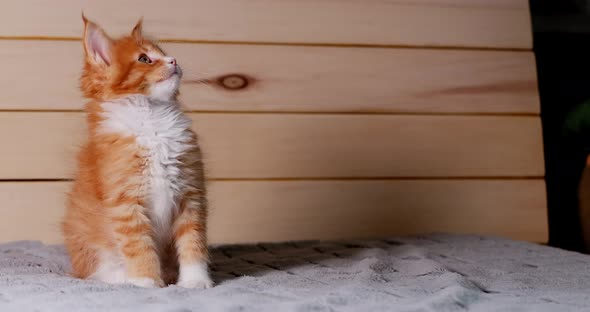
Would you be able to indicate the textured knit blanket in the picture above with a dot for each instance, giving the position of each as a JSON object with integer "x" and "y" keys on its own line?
{"x": 427, "y": 273}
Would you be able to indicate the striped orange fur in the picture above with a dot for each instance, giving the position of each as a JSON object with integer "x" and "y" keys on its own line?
{"x": 137, "y": 210}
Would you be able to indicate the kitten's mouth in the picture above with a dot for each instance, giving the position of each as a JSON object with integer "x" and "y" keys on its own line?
{"x": 171, "y": 75}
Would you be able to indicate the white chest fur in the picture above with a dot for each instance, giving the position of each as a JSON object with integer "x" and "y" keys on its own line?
{"x": 163, "y": 132}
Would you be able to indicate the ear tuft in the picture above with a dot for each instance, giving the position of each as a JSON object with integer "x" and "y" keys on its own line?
{"x": 137, "y": 32}
{"x": 97, "y": 45}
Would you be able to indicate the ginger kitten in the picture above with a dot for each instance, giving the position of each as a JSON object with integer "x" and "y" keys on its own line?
{"x": 137, "y": 210}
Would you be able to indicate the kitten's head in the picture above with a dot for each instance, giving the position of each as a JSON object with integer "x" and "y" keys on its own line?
{"x": 127, "y": 65}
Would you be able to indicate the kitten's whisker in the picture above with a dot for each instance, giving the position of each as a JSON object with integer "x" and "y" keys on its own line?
{"x": 201, "y": 73}
{"x": 199, "y": 81}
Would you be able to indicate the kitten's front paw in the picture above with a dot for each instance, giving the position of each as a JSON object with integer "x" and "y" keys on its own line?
{"x": 202, "y": 283}
{"x": 146, "y": 282}
{"x": 195, "y": 275}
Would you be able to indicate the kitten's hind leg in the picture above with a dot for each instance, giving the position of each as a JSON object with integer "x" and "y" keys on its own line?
{"x": 111, "y": 268}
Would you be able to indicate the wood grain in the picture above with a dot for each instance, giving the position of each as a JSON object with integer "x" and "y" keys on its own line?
{"x": 41, "y": 145}
{"x": 461, "y": 23}
{"x": 295, "y": 79}
{"x": 248, "y": 211}
{"x": 319, "y": 119}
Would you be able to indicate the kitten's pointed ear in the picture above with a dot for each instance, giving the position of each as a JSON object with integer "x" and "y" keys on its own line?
{"x": 137, "y": 33}
{"x": 97, "y": 44}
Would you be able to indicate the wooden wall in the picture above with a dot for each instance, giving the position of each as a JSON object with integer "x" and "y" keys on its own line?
{"x": 319, "y": 119}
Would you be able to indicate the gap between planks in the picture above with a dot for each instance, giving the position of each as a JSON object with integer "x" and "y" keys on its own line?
{"x": 359, "y": 113}
{"x": 298, "y": 44}
{"x": 327, "y": 179}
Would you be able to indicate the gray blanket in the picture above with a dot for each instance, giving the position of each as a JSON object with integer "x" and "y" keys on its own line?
{"x": 429, "y": 273}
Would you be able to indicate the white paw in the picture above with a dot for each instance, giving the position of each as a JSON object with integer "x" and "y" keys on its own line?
{"x": 110, "y": 270}
{"x": 195, "y": 275}
{"x": 143, "y": 282}
{"x": 202, "y": 283}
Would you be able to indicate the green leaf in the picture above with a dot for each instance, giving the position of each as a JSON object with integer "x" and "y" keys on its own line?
{"x": 578, "y": 120}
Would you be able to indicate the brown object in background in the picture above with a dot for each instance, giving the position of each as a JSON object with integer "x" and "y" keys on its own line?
{"x": 584, "y": 203}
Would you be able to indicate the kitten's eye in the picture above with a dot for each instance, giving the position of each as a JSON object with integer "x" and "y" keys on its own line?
{"x": 144, "y": 59}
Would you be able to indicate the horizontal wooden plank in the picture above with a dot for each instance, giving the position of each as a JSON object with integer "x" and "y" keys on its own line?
{"x": 39, "y": 145}
{"x": 243, "y": 211}
{"x": 463, "y": 23}
{"x": 297, "y": 79}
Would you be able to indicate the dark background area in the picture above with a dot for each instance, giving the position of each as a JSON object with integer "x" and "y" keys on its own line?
{"x": 562, "y": 47}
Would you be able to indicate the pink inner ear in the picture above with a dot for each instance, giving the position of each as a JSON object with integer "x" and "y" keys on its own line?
{"x": 99, "y": 45}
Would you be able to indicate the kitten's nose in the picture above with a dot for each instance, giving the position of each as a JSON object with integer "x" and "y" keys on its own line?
{"x": 172, "y": 61}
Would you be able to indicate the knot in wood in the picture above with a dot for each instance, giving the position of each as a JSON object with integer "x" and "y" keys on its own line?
{"x": 233, "y": 82}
